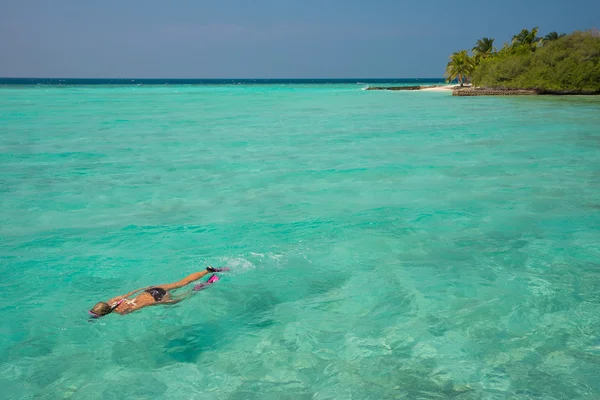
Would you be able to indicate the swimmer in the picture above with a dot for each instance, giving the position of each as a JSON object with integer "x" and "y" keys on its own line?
{"x": 151, "y": 295}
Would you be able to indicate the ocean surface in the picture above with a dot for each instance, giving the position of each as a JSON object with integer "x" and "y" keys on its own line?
{"x": 383, "y": 245}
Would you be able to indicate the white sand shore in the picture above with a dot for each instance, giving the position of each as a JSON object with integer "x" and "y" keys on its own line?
{"x": 444, "y": 88}
{"x": 420, "y": 88}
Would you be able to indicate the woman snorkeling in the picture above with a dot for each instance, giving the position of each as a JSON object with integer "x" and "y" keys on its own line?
{"x": 152, "y": 295}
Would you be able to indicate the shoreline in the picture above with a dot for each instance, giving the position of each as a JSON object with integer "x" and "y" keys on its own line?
{"x": 469, "y": 91}
{"x": 482, "y": 91}
{"x": 429, "y": 88}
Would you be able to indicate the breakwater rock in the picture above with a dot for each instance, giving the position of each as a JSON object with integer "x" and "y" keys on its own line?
{"x": 492, "y": 92}
{"x": 397, "y": 87}
{"x": 470, "y": 91}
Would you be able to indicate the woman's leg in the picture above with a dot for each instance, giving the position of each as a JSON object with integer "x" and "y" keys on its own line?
{"x": 185, "y": 281}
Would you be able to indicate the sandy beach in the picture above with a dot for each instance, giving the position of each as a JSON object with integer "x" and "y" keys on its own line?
{"x": 444, "y": 88}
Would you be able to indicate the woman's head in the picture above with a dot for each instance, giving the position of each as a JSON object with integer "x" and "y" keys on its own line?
{"x": 101, "y": 309}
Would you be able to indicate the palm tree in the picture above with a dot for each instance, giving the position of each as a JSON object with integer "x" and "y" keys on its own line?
{"x": 553, "y": 36}
{"x": 527, "y": 38}
{"x": 484, "y": 47}
{"x": 460, "y": 66}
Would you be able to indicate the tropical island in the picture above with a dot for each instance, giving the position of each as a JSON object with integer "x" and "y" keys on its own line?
{"x": 553, "y": 64}
{"x": 528, "y": 65}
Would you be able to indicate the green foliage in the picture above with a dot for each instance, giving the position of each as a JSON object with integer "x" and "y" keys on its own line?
{"x": 484, "y": 48}
{"x": 459, "y": 67}
{"x": 568, "y": 63}
{"x": 527, "y": 39}
{"x": 553, "y": 36}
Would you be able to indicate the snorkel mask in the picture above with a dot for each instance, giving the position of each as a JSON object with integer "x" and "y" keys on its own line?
{"x": 95, "y": 315}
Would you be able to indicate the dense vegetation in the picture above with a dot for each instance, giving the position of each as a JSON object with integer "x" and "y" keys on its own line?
{"x": 554, "y": 63}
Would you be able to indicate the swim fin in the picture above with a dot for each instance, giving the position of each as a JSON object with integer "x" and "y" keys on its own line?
{"x": 204, "y": 285}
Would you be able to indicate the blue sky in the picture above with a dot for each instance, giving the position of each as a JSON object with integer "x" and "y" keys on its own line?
{"x": 262, "y": 39}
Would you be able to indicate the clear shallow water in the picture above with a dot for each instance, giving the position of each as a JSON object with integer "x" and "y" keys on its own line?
{"x": 383, "y": 245}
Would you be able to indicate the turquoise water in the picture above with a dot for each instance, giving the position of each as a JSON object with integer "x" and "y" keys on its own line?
{"x": 383, "y": 245}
